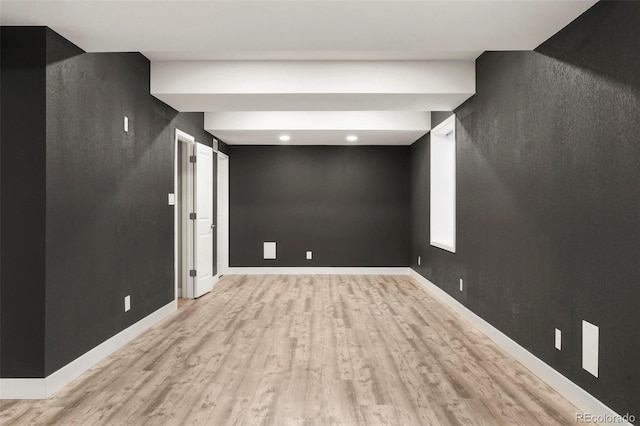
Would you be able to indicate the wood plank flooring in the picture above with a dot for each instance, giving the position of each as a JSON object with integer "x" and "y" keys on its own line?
{"x": 305, "y": 350}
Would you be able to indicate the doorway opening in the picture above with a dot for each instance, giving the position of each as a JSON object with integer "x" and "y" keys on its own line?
{"x": 194, "y": 220}
{"x": 183, "y": 184}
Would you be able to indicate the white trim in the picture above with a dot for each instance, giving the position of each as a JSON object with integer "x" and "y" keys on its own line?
{"x": 44, "y": 388}
{"x": 583, "y": 400}
{"x": 222, "y": 221}
{"x": 184, "y": 136}
{"x": 440, "y": 133}
{"x": 183, "y": 254}
{"x": 317, "y": 271}
{"x": 22, "y": 389}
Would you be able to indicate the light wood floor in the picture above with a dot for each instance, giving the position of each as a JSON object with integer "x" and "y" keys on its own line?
{"x": 305, "y": 350}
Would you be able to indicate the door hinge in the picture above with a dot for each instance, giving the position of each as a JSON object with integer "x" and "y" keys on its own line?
{"x": 192, "y": 216}
{"x": 192, "y": 273}
{"x": 192, "y": 158}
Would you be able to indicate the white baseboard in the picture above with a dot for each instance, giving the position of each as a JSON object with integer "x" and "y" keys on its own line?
{"x": 583, "y": 400}
{"x": 45, "y": 387}
{"x": 22, "y": 389}
{"x": 318, "y": 271}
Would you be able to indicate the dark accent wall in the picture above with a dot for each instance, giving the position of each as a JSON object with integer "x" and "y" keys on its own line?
{"x": 223, "y": 147}
{"x": 438, "y": 117}
{"x": 347, "y": 204}
{"x": 548, "y": 199}
{"x": 102, "y": 194}
{"x": 22, "y": 142}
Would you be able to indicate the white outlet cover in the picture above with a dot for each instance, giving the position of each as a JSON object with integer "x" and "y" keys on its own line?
{"x": 126, "y": 123}
{"x": 558, "y": 339}
{"x": 172, "y": 199}
{"x": 127, "y": 303}
{"x": 269, "y": 249}
{"x": 419, "y": 260}
{"x": 309, "y": 255}
{"x": 590, "y": 347}
{"x": 461, "y": 284}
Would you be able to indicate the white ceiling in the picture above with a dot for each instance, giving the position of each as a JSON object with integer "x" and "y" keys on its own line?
{"x": 298, "y": 31}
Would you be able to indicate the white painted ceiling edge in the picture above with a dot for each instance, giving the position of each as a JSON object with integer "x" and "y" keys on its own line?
{"x": 388, "y": 59}
{"x": 299, "y": 30}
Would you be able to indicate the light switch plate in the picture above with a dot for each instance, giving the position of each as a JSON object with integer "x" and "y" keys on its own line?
{"x": 172, "y": 199}
{"x": 126, "y": 123}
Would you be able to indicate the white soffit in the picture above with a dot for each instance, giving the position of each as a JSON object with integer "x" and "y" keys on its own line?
{"x": 318, "y": 137}
{"x": 319, "y": 127}
{"x": 313, "y": 102}
{"x": 268, "y": 77}
{"x": 313, "y": 85}
{"x": 328, "y": 120}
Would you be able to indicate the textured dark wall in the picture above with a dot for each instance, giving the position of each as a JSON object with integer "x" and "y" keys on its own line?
{"x": 438, "y": 117}
{"x": 548, "y": 199}
{"x": 349, "y": 205}
{"x": 223, "y": 147}
{"x": 109, "y": 227}
{"x": 23, "y": 202}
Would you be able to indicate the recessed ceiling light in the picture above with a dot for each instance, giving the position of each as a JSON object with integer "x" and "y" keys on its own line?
{"x": 285, "y": 138}
{"x": 352, "y": 138}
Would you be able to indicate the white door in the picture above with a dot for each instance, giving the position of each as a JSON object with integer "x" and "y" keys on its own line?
{"x": 204, "y": 223}
{"x": 223, "y": 214}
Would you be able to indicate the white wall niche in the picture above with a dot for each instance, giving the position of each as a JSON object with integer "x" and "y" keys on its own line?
{"x": 443, "y": 185}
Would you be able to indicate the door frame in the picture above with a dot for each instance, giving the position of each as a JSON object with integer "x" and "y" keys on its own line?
{"x": 222, "y": 246}
{"x": 183, "y": 255}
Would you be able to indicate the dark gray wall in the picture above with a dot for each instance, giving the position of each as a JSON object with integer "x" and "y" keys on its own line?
{"x": 223, "y": 147}
{"x": 109, "y": 227}
{"x": 349, "y": 205}
{"x": 101, "y": 192}
{"x": 548, "y": 199}
{"x": 438, "y": 117}
{"x": 22, "y": 142}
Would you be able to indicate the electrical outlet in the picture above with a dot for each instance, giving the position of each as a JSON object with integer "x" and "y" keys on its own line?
{"x": 461, "y": 285}
{"x": 558, "y": 339}
{"x": 126, "y": 123}
{"x": 309, "y": 255}
{"x": 127, "y": 303}
{"x": 419, "y": 260}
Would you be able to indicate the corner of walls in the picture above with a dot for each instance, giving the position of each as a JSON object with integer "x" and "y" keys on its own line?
{"x": 223, "y": 147}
